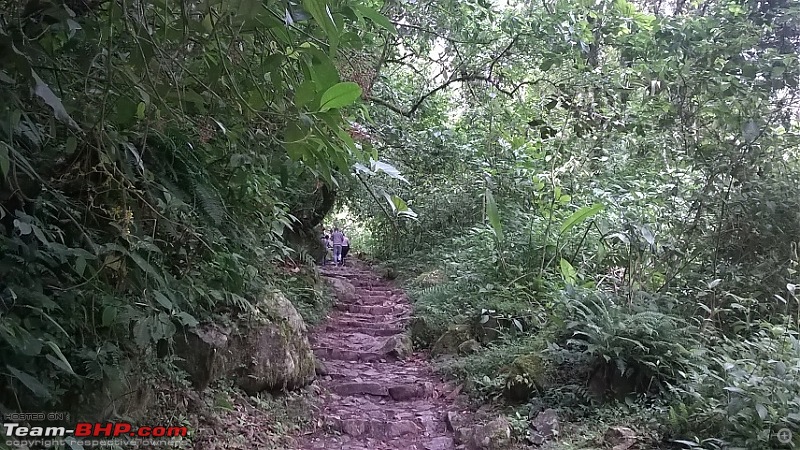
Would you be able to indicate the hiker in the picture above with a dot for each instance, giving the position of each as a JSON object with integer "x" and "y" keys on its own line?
{"x": 325, "y": 244}
{"x": 345, "y": 247}
{"x": 337, "y": 237}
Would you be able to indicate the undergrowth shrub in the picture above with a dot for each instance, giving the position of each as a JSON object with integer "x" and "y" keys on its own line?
{"x": 633, "y": 344}
{"x": 743, "y": 394}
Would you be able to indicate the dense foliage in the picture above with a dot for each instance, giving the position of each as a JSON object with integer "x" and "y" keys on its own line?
{"x": 613, "y": 184}
{"x": 157, "y": 159}
{"x": 606, "y": 190}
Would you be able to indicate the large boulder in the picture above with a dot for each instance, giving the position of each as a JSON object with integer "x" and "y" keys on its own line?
{"x": 397, "y": 346}
{"x": 495, "y": 435}
{"x": 544, "y": 427}
{"x": 527, "y": 375}
{"x": 276, "y": 354}
{"x": 268, "y": 350}
{"x": 205, "y": 353}
{"x": 344, "y": 290}
{"x": 449, "y": 341}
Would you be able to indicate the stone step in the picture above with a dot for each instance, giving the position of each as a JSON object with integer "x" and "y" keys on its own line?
{"x": 349, "y": 355}
{"x": 369, "y": 300}
{"x": 361, "y": 388}
{"x": 351, "y": 321}
{"x": 397, "y": 392}
{"x": 376, "y": 428}
{"x": 370, "y": 329}
{"x": 374, "y": 310}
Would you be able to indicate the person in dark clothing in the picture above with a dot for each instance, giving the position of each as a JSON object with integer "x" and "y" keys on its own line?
{"x": 345, "y": 247}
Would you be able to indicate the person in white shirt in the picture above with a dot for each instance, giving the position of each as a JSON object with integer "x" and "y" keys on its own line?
{"x": 337, "y": 237}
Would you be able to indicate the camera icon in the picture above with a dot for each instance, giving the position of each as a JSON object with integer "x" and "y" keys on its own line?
{"x": 784, "y": 436}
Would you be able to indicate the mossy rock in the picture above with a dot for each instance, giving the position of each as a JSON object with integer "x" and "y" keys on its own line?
{"x": 526, "y": 376}
{"x": 267, "y": 350}
{"x": 422, "y": 333}
{"x": 449, "y": 341}
{"x": 433, "y": 278}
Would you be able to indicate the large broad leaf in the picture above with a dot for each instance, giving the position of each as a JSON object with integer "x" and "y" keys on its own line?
{"x": 30, "y": 382}
{"x": 45, "y": 93}
{"x": 567, "y": 271}
{"x": 322, "y": 15}
{"x": 388, "y": 169}
{"x": 399, "y": 206}
{"x": 376, "y": 17}
{"x": 340, "y": 94}
{"x": 5, "y": 160}
{"x": 580, "y": 216}
{"x": 61, "y": 362}
{"x": 494, "y": 215}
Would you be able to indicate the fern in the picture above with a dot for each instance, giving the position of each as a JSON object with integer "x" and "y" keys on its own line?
{"x": 210, "y": 201}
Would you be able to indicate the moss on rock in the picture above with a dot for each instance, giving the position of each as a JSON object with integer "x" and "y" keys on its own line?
{"x": 525, "y": 376}
{"x": 449, "y": 341}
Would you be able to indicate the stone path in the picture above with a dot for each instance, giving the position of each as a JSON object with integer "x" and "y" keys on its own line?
{"x": 375, "y": 395}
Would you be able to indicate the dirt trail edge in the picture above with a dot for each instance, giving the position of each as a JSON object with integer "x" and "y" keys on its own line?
{"x": 376, "y": 395}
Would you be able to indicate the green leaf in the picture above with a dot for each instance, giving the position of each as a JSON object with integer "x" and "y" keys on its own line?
{"x": 146, "y": 266}
{"x": 340, "y": 94}
{"x": 141, "y": 334}
{"x": 494, "y": 215}
{"x": 580, "y": 216}
{"x": 61, "y": 357}
{"x": 5, "y": 160}
{"x": 30, "y": 382}
{"x": 187, "y": 319}
{"x": 44, "y": 92}
{"x": 547, "y": 64}
{"x": 567, "y": 271}
{"x": 378, "y": 18}
{"x": 322, "y": 15}
{"x": 762, "y": 411}
{"x": 163, "y": 300}
{"x": 305, "y": 93}
{"x": 109, "y": 315}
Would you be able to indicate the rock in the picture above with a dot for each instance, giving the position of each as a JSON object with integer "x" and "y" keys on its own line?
{"x": 320, "y": 368}
{"x": 454, "y": 421}
{"x": 357, "y": 388}
{"x": 448, "y": 343}
{"x": 487, "y": 331}
{"x": 131, "y": 392}
{"x": 440, "y": 443}
{"x": 421, "y": 332}
{"x": 620, "y": 438}
{"x": 462, "y": 435}
{"x": 405, "y": 392}
{"x": 397, "y": 346}
{"x": 535, "y": 406}
{"x": 354, "y": 427}
{"x": 401, "y": 428}
{"x": 273, "y": 347}
{"x": 469, "y": 347}
{"x": 495, "y": 435}
{"x": 344, "y": 290}
{"x": 526, "y": 375}
{"x": 544, "y": 427}
{"x": 205, "y": 353}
